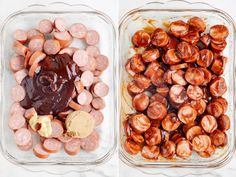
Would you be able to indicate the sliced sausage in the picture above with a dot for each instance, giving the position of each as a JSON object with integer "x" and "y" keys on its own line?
{"x": 215, "y": 109}
{"x": 159, "y": 38}
{"x": 69, "y": 50}
{"x": 172, "y": 43}
{"x": 219, "y": 138}
{"x": 64, "y": 138}
{"x": 171, "y": 57}
{"x": 163, "y": 91}
{"x": 98, "y": 103}
{"x": 86, "y": 108}
{"x": 153, "y": 136}
{"x": 36, "y": 43}
{"x": 184, "y": 149}
{"x": 30, "y": 112}
{"x": 192, "y": 37}
{"x": 84, "y": 98}
{"x": 32, "y": 33}
{"x": 218, "y": 87}
{"x": 209, "y": 123}
{"x": 141, "y": 39}
{"x": 170, "y": 122}
{"x": 179, "y": 66}
{"x": 207, "y": 76}
{"x": 16, "y": 121}
{"x": 168, "y": 77}
{"x": 87, "y": 78}
{"x": 195, "y": 55}
{"x": 156, "y": 110}
{"x": 137, "y": 137}
{"x": 197, "y": 23}
{"x": 79, "y": 86}
{"x": 131, "y": 147}
{"x": 168, "y": 149}
{"x": 179, "y": 28}
{"x": 223, "y": 123}
{"x": 45, "y": 26}
{"x": 17, "y": 63}
{"x": 206, "y": 58}
{"x": 140, "y": 102}
{"x": 199, "y": 106}
{"x": 64, "y": 38}
{"x": 207, "y": 153}
{"x": 215, "y": 47}
{"x": 219, "y": 32}
{"x": 159, "y": 98}
{"x": 100, "y": 89}
{"x": 93, "y": 51}
{"x": 52, "y": 145}
{"x": 150, "y": 55}
{"x": 91, "y": 142}
{"x": 139, "y": 122}
{"x": 22, "y": 137}
{"x": 133, "y": 89}
{"x": 78, "y": 30}
{"x": 157, "y": 78}
{"x": 97, "y": 116}
{"x": 194, "y": 131}
{"x": 151, "y": 69}
{"x": 26, "y": 147}
{"x": 205, "y": 39}
{"x": 218, "y": 65}
{"x": 194, "y": 76}
{"x": 20, "y": 75}
{"x": 223, "y": 103}
{"x": 59, "y": 24}
{"x": 150, "y": 152}
{"x": 178, "y": 94}
{"x": 141, "y": 81}
{"x": 19, "y": 48}
{"x": 102, "y": 62}
{"x": 17, "y": 93}
{"x": 57, "y": 128}
{"x": 40, "y": 152}
{"x": 184, "y": 50}
{"x": 178, "y": 77}
{"x": 136, "y": 63}
{"x": 92, "y": 37}
{"x": 91, "y": 66}
{"x": 194, "y": 92}
{"x": 20, "y": 35}
{"x": 80, "y": 57}
{"x": 17, "y": 109}
{"x": 72, "y": 147}
{"x": 187, "y": 114}
{"x": 51, "y": 46}
{"x": 201, "y": 143}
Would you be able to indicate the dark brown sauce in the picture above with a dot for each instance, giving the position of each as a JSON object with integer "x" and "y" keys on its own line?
{"x": 49, "y": 91}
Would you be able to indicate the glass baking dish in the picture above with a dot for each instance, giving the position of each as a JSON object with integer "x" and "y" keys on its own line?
{"x": 159, "y": 14}
{"x": 93, "y": 19}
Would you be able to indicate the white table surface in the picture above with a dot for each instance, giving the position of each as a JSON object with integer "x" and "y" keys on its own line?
{"x": 113, "y": 166}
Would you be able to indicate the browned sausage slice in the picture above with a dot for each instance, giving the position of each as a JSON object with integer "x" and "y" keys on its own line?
{"x": 218, "y": 87}
{"x": 208, "y": 153}
{"x": 136, "y": 63}
{"x": 156, "y": 110}
{"x": 194, "y": 92}
{"x": 223, "y": 123}
{"x": 140, "y": 102}
{"x": 197, "y": 23}
{"x": 219, "y": 138}
{"x": 205, "y": 59}
{"x": 187, "y": 114}
{"x": 159, "y": 38}
{"x": 133, "y": 89}
{"x": 209, "y": 123}
{"x": 159, "y": 98}
{"x": 171, "y": 57}
{"x": 219, "y": 32}
{"x": 184, "y": 149}
{"x": 150, "y": 55}
{"x": 223, "y": 103}
{"x": 150, "y": 152}
{"x": 184, "y": 50}
{"x": 141, "y": 38}
{"x": 207, "y": 76}
{"x": 218, "y": 65}
{"x": 131, "y": 147}
{"x": 201, "y": 143}
{"x": 170, "y": 122}
{"x": 151, "y": 69}
{"x": 178, "y": 77}
{"x": 153, "y": 136}
{"x": 178, "y": 94}
{"x": 168, "y": 149}
{"x": 19, "y": 48}
{"x": 215, "y": 108}
{"x": 194, "y": 131}
{"x": 194, "y": 76}
{"x": 179, "y": 28}
{"x": 139, "y": 122}
{"x": 141, "y": 81}
{"x": 157, "y": 78}
{"x": 199, "y": 106}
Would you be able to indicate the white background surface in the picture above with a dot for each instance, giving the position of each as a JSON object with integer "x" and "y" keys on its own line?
{"x": 110, "y": 7}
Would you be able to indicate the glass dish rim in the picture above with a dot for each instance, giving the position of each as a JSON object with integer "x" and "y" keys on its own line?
{"x": 42, "y": 9}
{"x": 171, "y": 164}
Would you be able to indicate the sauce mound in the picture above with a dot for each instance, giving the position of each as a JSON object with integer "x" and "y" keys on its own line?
{"x": 49, "y": 91}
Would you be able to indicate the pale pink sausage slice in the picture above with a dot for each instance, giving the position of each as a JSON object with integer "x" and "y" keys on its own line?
{"x": 84, "y": 98}
{"x": 30, "y": 112}
{"x": 72, "y": 147}
{"x": 98, "y": 103}
{"x": 32, "y": 33}
{"x": 100, "y": 89}
{"x": 86, "y": 108}
{"x": 16, "y": 121}
{"x": 40, "y": 152}
{"x": 20, "y": 75}
{"x": 102, "y": 62}
{"x": 97, "y": 73}
{"x": 64, "y": 38}
{"x": 26, "y": 147}
{"x": 51, "y": 46}
{"x": 22, "y": 137}
{"x": 79, "y": 86}
{"x": 87, "y": 78}
{"x": 69, "y": 50}
{"x": 78, "y": 30}
{"x": 45, "y": 26}
{"x": 92, "y": 37}
{"x": 17, "y": 93}
{"x": 80, "y": 57}
{"x": 19, "y": 48}
{"x": 52, "y": 145}
{"x": 91, "y": 65}
{"x": 20, "y": 35}
{"x": 17, "y": 109}
{"x": 59, "y": 24}
{"x": 57, "y": 128}
{"x": 90, "y": 143}
{"x": 93, "y": 51}
{"x": 36, "y": 43}
{"x": 97, "y": 117}
{"x": 64, "y": 138}
{"x": 17, "y": 63}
